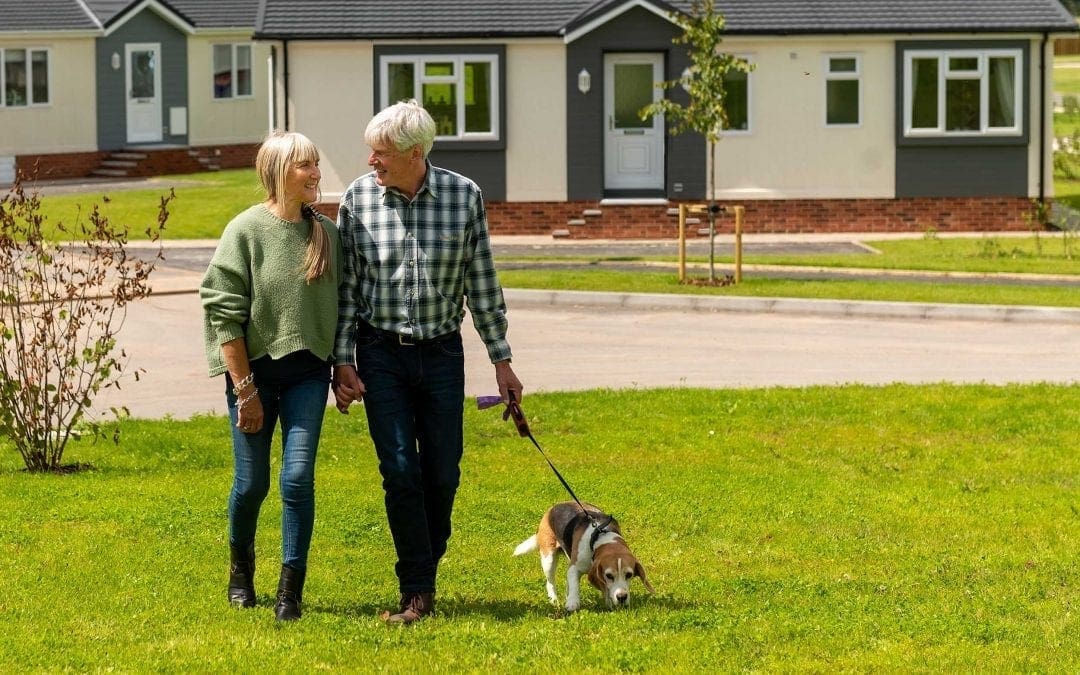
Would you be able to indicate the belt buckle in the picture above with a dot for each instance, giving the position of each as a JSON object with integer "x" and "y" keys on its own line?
{"x": 405, "y": 340}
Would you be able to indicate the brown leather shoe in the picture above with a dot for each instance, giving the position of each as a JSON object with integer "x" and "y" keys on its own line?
{"x": 414, "y": 606}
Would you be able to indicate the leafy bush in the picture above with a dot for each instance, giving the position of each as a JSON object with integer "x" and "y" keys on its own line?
{"x": 61, "y": 307}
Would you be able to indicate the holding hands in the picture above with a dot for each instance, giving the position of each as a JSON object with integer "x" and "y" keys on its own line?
{"x": 347, "y": 387}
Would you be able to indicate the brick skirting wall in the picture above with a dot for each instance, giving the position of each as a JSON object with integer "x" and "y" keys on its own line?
{"x": 578, "y": 220}
{"x": 163, "y": 162}
{"x": 53, "y": 167}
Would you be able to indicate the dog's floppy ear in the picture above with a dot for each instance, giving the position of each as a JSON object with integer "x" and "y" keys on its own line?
{"x": 596, "y": 576}
{"x": 639, "y": 570}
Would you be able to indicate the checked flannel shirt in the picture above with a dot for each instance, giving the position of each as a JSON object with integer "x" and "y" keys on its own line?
{"x": 410, "y": 266}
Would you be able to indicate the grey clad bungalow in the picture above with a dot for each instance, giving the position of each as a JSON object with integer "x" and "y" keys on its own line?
{"x": 880, "y": 115}
{"x": 130, "y": 87}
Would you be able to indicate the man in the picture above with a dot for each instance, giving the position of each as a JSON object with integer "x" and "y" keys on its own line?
{"x": 416, "y": 248}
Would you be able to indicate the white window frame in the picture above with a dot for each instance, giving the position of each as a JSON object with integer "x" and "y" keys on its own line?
{"x": 234, "y": 78}
{"x": 749, "y": 100}
{"x": 458, "y": 79}
{"x": 30, "y": 102}
{"x": 831, "y": 76}
{"x": 980, "y": 73}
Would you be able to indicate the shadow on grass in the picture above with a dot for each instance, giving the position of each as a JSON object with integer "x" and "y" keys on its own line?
{"x": 493, "y": 610}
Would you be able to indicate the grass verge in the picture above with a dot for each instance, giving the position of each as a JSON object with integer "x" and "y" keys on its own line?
{"x": 649, "y": 281}
{"x": 826, "y": 528}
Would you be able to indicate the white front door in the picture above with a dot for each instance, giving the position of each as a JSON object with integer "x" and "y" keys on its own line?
{"x": 633, "y": 148}
{"x": 142, "y": 79}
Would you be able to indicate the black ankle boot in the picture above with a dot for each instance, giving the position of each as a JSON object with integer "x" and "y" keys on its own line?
{"x": 290, "y": 593}
{"x": 242, "y": 575}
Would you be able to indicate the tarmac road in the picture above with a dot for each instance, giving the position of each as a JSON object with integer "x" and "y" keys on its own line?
{"x": 568, "y": 342}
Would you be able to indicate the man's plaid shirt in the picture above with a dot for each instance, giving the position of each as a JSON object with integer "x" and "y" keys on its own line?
{"x": 409, "y": 267}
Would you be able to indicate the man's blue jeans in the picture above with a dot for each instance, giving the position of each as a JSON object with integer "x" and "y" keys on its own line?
{"x": 414, "y": 399}
{"x": 300, "y": 406}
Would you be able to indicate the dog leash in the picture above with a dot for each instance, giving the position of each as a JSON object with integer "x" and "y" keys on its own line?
{"x": 514, "y": 411}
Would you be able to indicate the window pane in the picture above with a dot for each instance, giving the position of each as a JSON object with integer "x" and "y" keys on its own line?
{"x": 222, "y": 71}
{"x": 39, "y": 65}
{"x": 478, "y": 97}
{"x": 1002, "y": 103}
{"x": 15, "y": 77}
{"x": 842, "y": 65}
{"x": 962, "y": 105}
{"x": 633, "y": 91}
{"x": 963, "y": 63}
{"x": 924, "y": 93}
{"x": 142, "y": 74}
{"x": 737, "y": 100}
{"x": 439, "y": 69}
{"x": 399, "y": 85}
{"x": 842, "y": 102}
{"x": 440, "y": 102}
{"x": 243, "y": 70}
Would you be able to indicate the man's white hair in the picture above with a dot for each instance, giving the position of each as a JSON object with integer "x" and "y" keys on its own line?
{"x": 402, "y": 125}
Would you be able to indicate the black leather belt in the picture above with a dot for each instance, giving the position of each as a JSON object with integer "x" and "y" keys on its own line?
{"x": 406, "y": 340}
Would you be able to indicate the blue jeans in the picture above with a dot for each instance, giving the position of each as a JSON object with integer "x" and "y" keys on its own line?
{"x": 300, "y": 406}
{"x": 414, "y": 401}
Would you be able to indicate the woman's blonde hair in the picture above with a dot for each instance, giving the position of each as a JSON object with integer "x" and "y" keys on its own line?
{"x": 278, "y": 153}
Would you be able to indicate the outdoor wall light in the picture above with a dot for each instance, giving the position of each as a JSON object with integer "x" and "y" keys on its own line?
{"x": 685, "y": 77}
{"x": 584, "y": 81}
{"x": 115, "y": 61}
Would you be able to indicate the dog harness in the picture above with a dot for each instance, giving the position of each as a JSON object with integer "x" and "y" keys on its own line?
{"x": 566, "y": 534}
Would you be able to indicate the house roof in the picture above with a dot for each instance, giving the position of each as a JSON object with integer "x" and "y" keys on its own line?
{"x": 74, "y": 15}
{"x": 20, "y": 15}
{"x": 416, "y": 18}
{"x": 894, "y": 16}
{"x": 372, "y": 19}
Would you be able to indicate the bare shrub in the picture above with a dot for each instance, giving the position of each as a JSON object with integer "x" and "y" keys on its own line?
{"x": 62, "y": 305}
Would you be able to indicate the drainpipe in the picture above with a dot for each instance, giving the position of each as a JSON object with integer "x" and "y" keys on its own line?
{"x": 1042, "y": 119}
{"x": 285, "y": 82}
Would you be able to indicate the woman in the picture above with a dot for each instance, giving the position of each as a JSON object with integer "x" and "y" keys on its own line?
{"x": 269, "y": 299}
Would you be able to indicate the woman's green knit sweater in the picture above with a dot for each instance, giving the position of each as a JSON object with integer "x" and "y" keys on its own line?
{"x": 254, "y": 288}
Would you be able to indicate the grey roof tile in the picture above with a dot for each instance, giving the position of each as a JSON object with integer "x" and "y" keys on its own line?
{"x": 219, "y": 13}
{"x": 334, "y": 19}
{"x": 63, "y": 15}
{"x": 415, "y": 18}
{"x": 878, "y": 16}
{"x": 20, "y": 15}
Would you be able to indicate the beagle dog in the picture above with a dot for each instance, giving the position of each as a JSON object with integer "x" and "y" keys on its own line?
{"x": 593, "y": 543}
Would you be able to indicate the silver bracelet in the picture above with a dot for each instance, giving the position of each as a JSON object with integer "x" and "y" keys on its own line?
{"x": 237, "y": 386}
{"x": 244, "y": 401}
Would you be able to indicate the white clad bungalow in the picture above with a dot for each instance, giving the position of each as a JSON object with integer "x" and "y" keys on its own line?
{"x": 881, "y": 115}
{"x": 130, "y": 87}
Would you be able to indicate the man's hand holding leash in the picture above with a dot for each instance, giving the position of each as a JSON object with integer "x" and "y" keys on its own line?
{"x": 507, "y": 381}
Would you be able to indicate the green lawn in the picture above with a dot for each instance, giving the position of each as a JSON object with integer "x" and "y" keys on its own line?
{"x": 200, "y": 210}
{"x": 895, "y": 528}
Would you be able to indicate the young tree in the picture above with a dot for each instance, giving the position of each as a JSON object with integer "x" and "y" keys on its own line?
{"x": 704, "y": 82}
{"x": 61, "y": 307}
